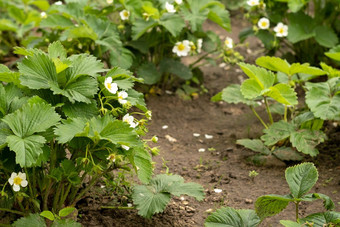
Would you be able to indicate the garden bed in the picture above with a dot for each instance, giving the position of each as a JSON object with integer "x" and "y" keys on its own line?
{"x": 223, "y": 164}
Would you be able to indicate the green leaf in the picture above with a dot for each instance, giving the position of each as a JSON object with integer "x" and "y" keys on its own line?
{"x": 69, "y": 128}
{"x": 267, "y": 38}
{"x": 65, "y": 223}
{"x": 322, "y": 219}
{"x": 175, "y": 67}
{"x": 7, "y": 25}
{"x": 66, "y": 211}
{"x": 195, "y": 17}
{"x": 37, "y": 71}
{"x": 288, "y": 223}
{"x": 121, "y": 57}
{"x": 56, "y": 21}
{"x": 301, "y": 27}
{"x": 276, "y": 132}
{"x": 305, "y": 68}
{"x": 232, "y": 94}
{"x": 154, "y": 197}
{"x": 220, "y": 16}
{"x": 283, "y": 93}
{"x": 31, "y": 220}
{"x": 269, "y": 205}
{"x": 84, "y": 64}
{"x": 296, "y": 5}
{"x": 330, "y": 71}
{"x": 301, "y": 178}
{"x": 251, "y": 89}
{"x": 47, "y": 214}
{"x": 273, "y": 63}
{"x": 322, "y": 100}
{"x": 149, "y": 73}
{"x": 229, "y": 217}
{"x": 7, "y": 76}
{"x": 56, "y": 50}
{"x": 254, "y": 145}
{"x": 142, "y": 160}
{"x": 327, "y": 201}
{"x": 306, "y": 140}
{"x": 82, "y": 31}
{"x": 173, "y": 23}
{"x": 326, "y": 36}
{"x": 140, "y": 26}
{"x": 287, "y": 154}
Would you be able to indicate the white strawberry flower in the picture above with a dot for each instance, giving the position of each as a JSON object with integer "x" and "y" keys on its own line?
{"x": 170, "y": 7}
{"x": 281, "y": 30}
{"x": 125, "y": 147}
{"x": 263, "y": 23}
{"x": 122, "y": 95}
{"x": 228, "y": 42}
{"x": 199, "y": 45}
{"x": 43, "y": 15}
{"x": 124, "y": 14}
{"x": 130, "y": 120}
{"x": 58, "y": 3}
{"x": 111, "y": 87}
{"x": 253, "y": 2}
{"x": 179, "y": 2}
{"x": 182, "y": 48}
{"x": 109, "y": 1}
{"x": 18, "y": 180}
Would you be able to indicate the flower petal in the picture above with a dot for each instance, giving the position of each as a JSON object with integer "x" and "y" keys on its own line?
{"x": 16, "y": 188}
{"x": 24, "y": 183}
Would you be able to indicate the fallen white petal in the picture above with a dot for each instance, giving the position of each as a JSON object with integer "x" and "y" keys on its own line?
{"x": 170, "y": 139}
{"x": 196, "y": 134}
{"x": 129, "y": 205}
{"x": 217, "y": 190}
{"x": 201, "y": 150}
{"x": 208, "y": 136}
{"x": 165, "y": 127}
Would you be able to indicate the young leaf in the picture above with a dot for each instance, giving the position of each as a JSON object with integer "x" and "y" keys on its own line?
{"x": 327, "y": 201}
{"x": 306, "y": 140}
{"x": 278, "y": 131}
{"x": 154, "y": 197}
{"x": 283, "y": 93}
{"x": 232, "y": 94}
{"x": 273, "y": 63}
{"x": 31, "y": 220}
{"x": 254, "y": 145}
{"x": 322, "y": 219}
{"x": 56, "y": 50}
{"x": 228, "y": 216}
{"x": 269, "y": 205}
{"x": 47, "y": 214}
{"x": 287, "y": 223}
{"x": 322, "y": 100}
{"x": 66, "y": 211}
{"x": 301, "y": 178}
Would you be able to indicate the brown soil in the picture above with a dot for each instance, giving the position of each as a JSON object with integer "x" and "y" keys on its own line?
{"x": 223, "y": 165}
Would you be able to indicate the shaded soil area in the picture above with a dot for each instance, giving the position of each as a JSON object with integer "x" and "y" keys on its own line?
{"x": 223, "y": 164}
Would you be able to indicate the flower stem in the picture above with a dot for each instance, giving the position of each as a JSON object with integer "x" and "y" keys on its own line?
{"x": 258, "y": 117}
{"x": 268, "y": 111}
{"x": 297, "y": 210}
{"x": 285, "y": 115}
{"x": 12, "y": 211}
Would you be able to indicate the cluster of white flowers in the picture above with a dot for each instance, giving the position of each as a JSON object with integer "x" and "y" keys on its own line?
{"x": 113, "y": 88}
{"x": 17, "y": 180}
{"x": 124, "y": 14}
{"x": 184, "y": 47}
{"x": 130, "y": 120}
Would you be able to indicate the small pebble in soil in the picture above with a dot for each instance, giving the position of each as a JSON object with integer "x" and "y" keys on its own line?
{"x": 209, "y": 210}
{"x": 170, "y": 139}
{"x": 217, "y": 190}
{"x": 190, "y": 209}
{"x": 248, "y": 201}
{"x": 129, "y": 205}
{"x": 208, "y": 137}
{"x": 165, "y": 127}
{"x": 185, "y": 202}
{"x": 168, "y": 92}
{"x": 182, "y": 198}
{"x": 222, "y": 65}
{"x": 196, "y": 134}
{"x": 201, "y": 150}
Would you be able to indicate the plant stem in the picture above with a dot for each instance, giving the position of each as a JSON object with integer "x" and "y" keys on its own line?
{"x": 12, "y": 211}
{"x": 200, "y": 59}
{"x": 268, "y": 111}
{"x": 81, "y": 194}
{"x": 56, "y": 197}
{"x": 285, "y": 115}
{"x": 63, "y": 198}
{"x": 258, "y": 117}
{"x": 297, "y": 211}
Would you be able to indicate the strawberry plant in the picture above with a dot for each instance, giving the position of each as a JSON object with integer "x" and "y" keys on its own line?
{"x": 301, "y": 30}
{"x": 300, "y": 178}
{"x": 274, "y": 84}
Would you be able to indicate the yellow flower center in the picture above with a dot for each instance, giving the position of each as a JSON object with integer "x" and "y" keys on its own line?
{"x": 264, "y": 24}
{"x": 226, "y": 42}
{"x": 17, "y": 180}
{"x": 109, "y": 86}
{"x": 126, "y": 14}
{"x": 181, "y": 47}
{"x": 281, "y": 31}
